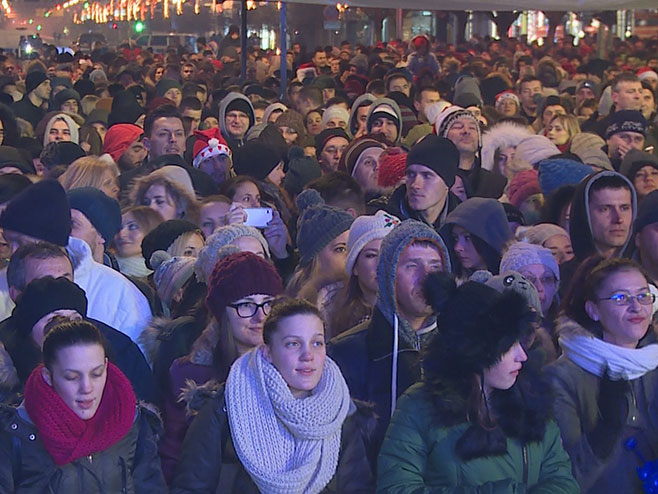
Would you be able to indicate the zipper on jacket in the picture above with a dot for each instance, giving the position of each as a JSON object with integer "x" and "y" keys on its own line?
{"x": 525, "y": 465}
{"x": 416, "y": 341}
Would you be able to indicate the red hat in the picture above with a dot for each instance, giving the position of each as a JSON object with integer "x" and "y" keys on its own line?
{"x": 217, "y": 65}
{"x": 119, "y": 137}
{"x": 646, "y": 73}
{"x": 209, "y": 143}
{"x": 523, "y": 185}
{"x": 238, "y": 276}
{"x": 420, "y": 40}
{"x": 392, "y": 164}
{"x": 160, "y": 101}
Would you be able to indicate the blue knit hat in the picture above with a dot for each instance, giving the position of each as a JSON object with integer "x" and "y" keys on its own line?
{"x": 556, "y": 172}
{"x": 318, "y": 224}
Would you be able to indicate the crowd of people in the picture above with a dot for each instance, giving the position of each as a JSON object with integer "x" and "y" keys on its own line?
{"x": 427, "y": 268}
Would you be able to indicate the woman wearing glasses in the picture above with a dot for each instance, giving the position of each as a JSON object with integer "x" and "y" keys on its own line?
{"x": 606, "y": 383}
{"x": 240, "y": 291}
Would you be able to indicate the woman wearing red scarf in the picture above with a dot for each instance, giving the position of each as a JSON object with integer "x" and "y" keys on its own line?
{"x": 79, "y": 428}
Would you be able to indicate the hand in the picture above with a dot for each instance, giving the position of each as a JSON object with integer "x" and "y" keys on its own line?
{"x": 276, "y": 234}
{"x": 623, "y": 149}
{"x": 236, "y": 214}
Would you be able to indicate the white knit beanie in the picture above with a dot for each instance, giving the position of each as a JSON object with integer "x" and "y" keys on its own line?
{"x": 363, "y": 230}
{"x": 538, "y": 234}
{"x": 334, "y": 111}
{"x": 535, "y": 148}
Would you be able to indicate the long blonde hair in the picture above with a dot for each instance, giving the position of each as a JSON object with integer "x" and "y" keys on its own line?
{"x": 88, "y": 171}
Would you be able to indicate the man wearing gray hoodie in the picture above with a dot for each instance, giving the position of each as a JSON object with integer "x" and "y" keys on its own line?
{"x": 236, "y": 117}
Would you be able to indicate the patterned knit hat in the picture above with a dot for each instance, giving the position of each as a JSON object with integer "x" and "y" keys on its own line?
{"x": 222, "y": 237}
{"x": 626, "y": 121}
{"x": 171, "y": 273}
{"x": 392, "y": 166}
{"x": 318, "y": 224}
{"x": 556, "y": 172}
{"x": 363, "y": 230}
{"x": 523, "y": 185}
{"x": 522, "y": 254}
{"x": 238, "y": 276}
{"x": 209, "y": 143}
{"x": 449, "y": 116}
{"x": 294, "y": 120}
{"x": 352, "y": 153}
{"x": 508, "y": 94}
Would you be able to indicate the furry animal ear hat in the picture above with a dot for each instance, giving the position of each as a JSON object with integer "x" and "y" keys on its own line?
{"x": 478, "y": 325}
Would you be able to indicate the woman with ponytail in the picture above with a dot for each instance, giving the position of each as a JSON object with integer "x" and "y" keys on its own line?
{"x": 79, "y": 428}
{"x": 478, "y": 422}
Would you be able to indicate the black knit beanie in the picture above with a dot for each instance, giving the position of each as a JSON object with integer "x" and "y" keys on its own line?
{"x": 438, "y": 154}
{"x": 45, "y": 295}
{"x": 255, "y": 159}
{"x": 41, "y": 211}
{"x": 103, "y": 212}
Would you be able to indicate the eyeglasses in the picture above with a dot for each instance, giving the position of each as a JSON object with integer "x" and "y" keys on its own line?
{"x": 249, "y": 309}
{"x": 646, "y": 298}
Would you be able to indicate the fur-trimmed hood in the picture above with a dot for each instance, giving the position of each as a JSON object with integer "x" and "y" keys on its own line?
{"x": 500, "y": 135}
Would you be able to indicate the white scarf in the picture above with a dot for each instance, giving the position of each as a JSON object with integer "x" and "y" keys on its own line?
{"x": 595, "y": 356}
{"x": 287, "y": 445}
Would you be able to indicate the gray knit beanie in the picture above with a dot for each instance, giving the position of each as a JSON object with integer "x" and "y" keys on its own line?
{"x": 318, "y": 224}
{"x": 521, "y": 254}
{"x": 209, "y": 253}
{"x": 540, "y": 233}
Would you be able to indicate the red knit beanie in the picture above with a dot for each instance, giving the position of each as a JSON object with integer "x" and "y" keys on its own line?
{"x": 392, "y": 164}
{"x": 237, "y": 276}
{"x": 119, "y": 137}
{"x": 523, "y": 185}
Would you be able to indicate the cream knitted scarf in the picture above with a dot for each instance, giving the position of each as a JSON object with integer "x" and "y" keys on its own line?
{"x": 287, "y": 445}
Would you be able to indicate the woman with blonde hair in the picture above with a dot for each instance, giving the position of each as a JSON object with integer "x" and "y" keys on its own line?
{"x": 561, "y": 130}
{"x": 91, "y": 171}
{"x": 171, "y": 198}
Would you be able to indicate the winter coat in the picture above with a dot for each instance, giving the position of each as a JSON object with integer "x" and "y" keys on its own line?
{"x": 576, "y": 412}
{"x": 19, "y": 357}
{"x": 364, "y": 355}
{"x": 352, "y": 123}
{"x": 499, "y": 136}
{"x": 420, "y": 454}
{"x": 129, "y": 466}
{"x": 392, "y": 104}
{"x": 399, "y": 206}
{"x": 485, "y": 183}
{"x": 210, "y": 464}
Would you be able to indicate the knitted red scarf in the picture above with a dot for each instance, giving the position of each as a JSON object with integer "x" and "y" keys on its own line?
{"x": 66, "y": 436}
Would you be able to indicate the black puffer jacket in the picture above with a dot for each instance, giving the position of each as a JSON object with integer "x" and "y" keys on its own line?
{"x": 129, "y": 466}
{"x": 210, "y": 464}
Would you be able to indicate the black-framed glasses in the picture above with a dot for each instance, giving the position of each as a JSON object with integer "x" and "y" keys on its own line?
{"x": 249, "y": 309}
{"x": 646, "y": 298}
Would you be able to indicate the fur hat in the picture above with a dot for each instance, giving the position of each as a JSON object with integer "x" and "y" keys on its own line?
{"x": 222, "y": 237}
{"x": 499, "y": 136}
{"x": 238, "y": 276}
{"x": 363, "y": 230}
{"x": 478, "y": 326}
{"x": 510, "y": 280}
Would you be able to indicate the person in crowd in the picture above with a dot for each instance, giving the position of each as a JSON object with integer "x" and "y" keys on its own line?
{"x": 136, "y": 223}
{"x": 357, "y": 124}
{"x": 42, "y": 212}
{"x": 61, "y": 127}
{"x": 124, "y": 143}
{"x": 212, "y": 155}
{"x": 361, "y": 160}
{"x": 480, "y": 420}
{"x": 66, "y": 100}
{"x": 381, "y": 358}
{"x": 646, "y": 236}
{"x": 173, "y": 199}
{"x": 627, "y": 130}
{"x": 604, "y": 382}
{"x": 9, "y": 127}
{"x": 553, "y": 237}
{"x": 477, "y": 232}
{"x": 31, "y": 107}
{"x": 330, "y": 144}
{"x": 81, "y": 430}
{"x": 641, "y": 169}
{"x": 313, "y": 122}
{"x": 499, "y": 146}
{"x": 507, "y": 103}
{"x": 236, "y": 117}
{"x": 241, "y": 290}
{"x": 384, "y": 117}
{"x": 355, "y": 301}
{"x": 322, "y": 233}
{"x": 529, "y": 87}
{"x": 94, "y": 172}
{"x": 291, "y": 412}
{"x": 561, "y": 129}
{"x": 430, "y": 172}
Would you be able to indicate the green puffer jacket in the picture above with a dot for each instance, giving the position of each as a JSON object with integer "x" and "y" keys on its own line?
{"x": 419, "y": 457}
{"x": 131, "y": 466}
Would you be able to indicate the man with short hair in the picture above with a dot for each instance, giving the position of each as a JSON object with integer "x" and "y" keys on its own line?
{"x": 320, "y": 61}
{"x": 37, "y": 94}
{"x": 310, "y": 98}
{"x": 164, "y": 132}
{"x": 585, "y": 90}
{"x": 626, "y": 94}
{"x": 423, "y": 98}
{"x": 236, "y": 117}
{"x": 341, "y": 191}
{"x": 646, "y": 235}
{"x": 401, "y": 320}
{"x": 96, "y": 219}
{"x": 398, "y": 82}
{"x": 430, "y": 172}
{"x": 188, "y": 72}
{"x": 529, "y": 89}
{"x": 329, "y": 147}
{"x": 190, "y": 109}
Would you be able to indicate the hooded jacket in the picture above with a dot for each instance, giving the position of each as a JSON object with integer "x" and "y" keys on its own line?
{"x": 580, "y": 226}
{"x": 399, "y": 206}
{"x": 576, "y": 411}
{"x": 352, "y": 123}
{"x": 366, "y": 354}
{"x": 499, "y": 136}
{"x": 232, "y": 142}
{"x": 392, "y": 104}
